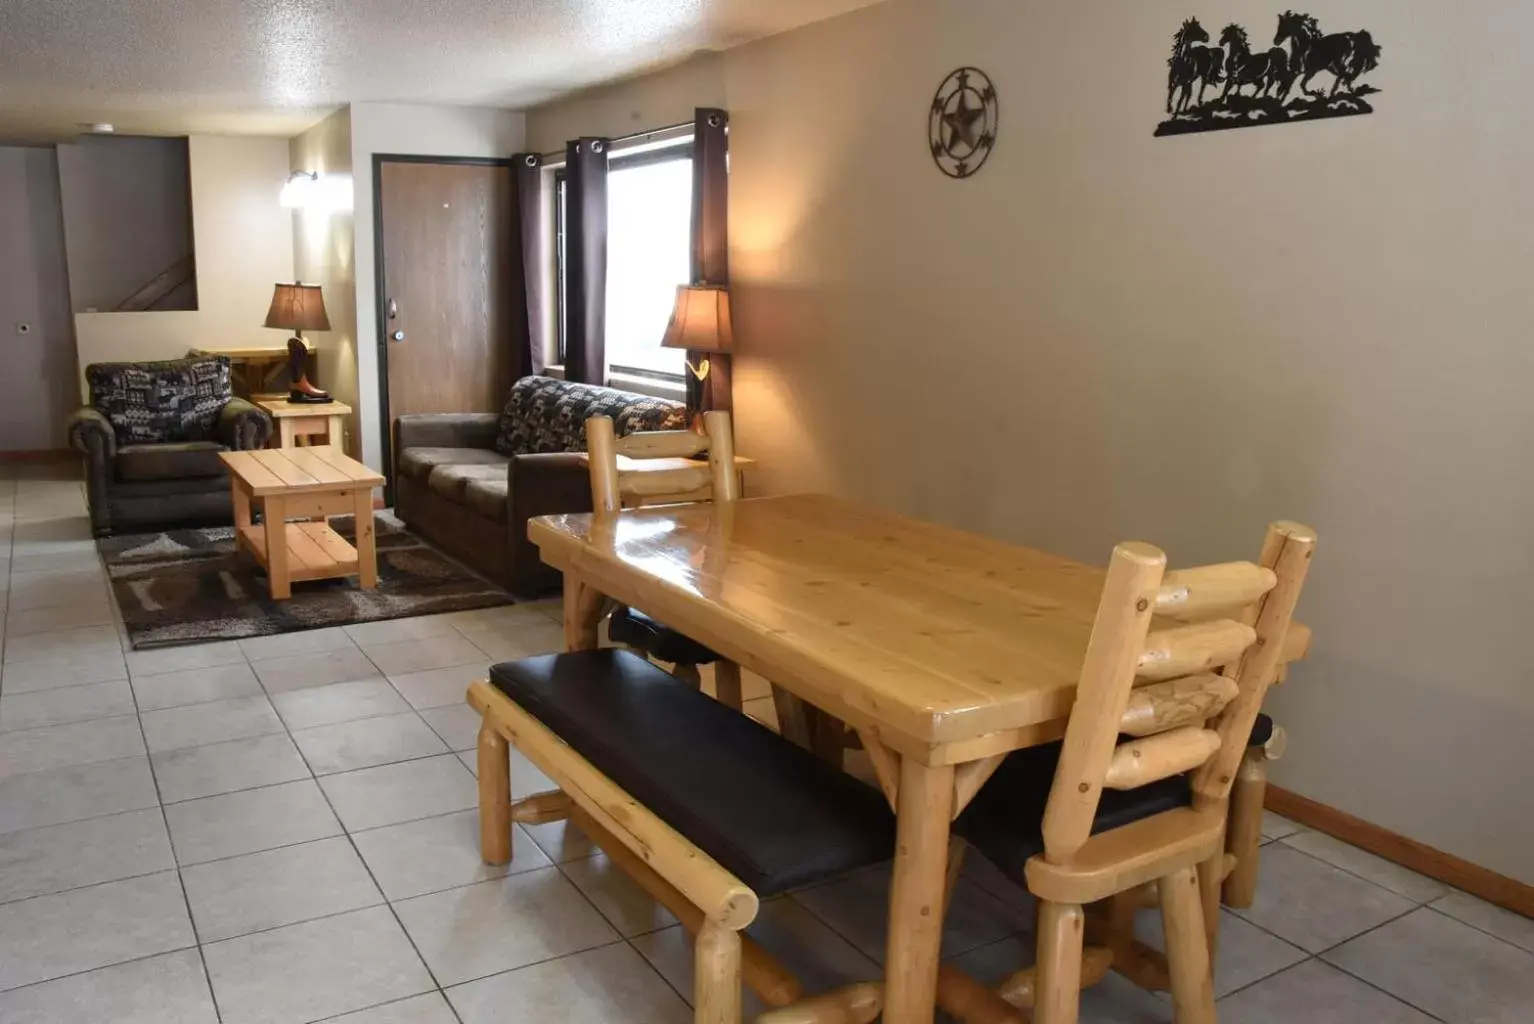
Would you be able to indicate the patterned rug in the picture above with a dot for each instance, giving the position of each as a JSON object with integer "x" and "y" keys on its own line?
{"x": 189, "y": 586}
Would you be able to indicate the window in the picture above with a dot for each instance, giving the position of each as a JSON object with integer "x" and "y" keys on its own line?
{"x": 649, "y": 253}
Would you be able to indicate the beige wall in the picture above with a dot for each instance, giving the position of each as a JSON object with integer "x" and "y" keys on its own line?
{"x": 244, "y": 238}
{"x": 324, "y": 254}
{"x": 1106, "y": 335}
{"x": 398, "y": 128}
{"x": 244, "y": 245}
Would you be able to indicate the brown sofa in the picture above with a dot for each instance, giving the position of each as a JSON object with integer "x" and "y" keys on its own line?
{"x": 469, "y": 483}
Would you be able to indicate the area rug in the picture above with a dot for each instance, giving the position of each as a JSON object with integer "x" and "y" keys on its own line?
{"x": 191, "y": 586}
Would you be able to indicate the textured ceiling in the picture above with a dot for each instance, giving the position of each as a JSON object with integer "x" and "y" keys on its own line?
{"x": 277, "y": 66}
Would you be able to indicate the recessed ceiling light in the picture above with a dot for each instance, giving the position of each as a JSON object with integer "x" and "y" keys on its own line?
{"x": 103, "y": 128}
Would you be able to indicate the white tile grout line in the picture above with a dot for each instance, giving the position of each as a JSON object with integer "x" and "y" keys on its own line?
{"x": 186, "y": 900}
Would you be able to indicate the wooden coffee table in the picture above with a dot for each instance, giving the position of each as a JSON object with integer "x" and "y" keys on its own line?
{"x": 303, "y": 483}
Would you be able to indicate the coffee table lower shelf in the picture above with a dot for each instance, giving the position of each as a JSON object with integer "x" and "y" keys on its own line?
{"x": 315, "y": 551}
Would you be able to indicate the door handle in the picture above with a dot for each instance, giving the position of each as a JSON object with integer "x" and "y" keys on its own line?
{"x": 393, "y": 314}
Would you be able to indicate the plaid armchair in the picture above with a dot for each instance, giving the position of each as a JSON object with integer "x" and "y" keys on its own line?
{"x": 151, "y": 437}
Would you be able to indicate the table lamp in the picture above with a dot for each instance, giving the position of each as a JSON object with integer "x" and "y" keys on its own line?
{"x": 299, "y": 308}
{"x": 700, "y": 322}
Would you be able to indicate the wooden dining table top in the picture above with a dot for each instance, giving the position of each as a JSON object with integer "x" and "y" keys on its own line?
{"x": 940, "y": 634}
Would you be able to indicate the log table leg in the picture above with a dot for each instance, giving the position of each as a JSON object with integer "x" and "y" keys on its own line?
{"x": 916, "y": 893}
{"x": 793, "y": 717}
{"x": 727, "y": 684}
{"x": 583, "y": 614}
{"x": 828, "y": 736}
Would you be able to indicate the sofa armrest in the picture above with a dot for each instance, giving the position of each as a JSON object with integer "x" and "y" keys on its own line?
{"x": 242, "y": 426}
{"x": 541, "y": 485}
{"x": 446, "y": 430}
{"x": 91, "y": 434}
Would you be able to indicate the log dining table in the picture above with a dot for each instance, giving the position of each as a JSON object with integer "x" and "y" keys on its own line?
{"x": 945, "y": 650}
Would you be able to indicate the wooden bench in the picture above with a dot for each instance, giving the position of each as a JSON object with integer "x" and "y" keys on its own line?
{"x": 706, "y": 809}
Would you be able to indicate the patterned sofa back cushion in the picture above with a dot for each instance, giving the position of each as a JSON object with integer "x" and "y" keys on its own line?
{"x": 171, "y": 401}
{"x": 546, "y": 415}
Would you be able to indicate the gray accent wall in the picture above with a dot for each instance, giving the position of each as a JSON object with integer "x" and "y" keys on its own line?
{"x": 127, "y": 217}
{"x": 37, "y": 367}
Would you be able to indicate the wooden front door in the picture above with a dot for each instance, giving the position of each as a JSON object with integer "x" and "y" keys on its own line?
{"x": 448, "y": 306}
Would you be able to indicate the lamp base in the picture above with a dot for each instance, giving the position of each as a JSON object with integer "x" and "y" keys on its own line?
{"x": 302, "y": 392}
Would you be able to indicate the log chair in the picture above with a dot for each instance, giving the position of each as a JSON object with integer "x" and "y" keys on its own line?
{"x": 659, "y": 467}
{"x": 1138, "y": 791}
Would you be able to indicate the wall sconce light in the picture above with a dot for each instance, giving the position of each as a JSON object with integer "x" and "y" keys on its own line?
{"x": 298, "y": 191}
{"x": 316, "y": 192}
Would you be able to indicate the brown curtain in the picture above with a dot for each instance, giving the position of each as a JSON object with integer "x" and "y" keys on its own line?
{"x": 710, "y": 243}
{"x": 586, "y": 260}
{"x": 530, "y": 335}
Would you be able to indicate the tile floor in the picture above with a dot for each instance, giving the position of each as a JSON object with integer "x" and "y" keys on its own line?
{"x": 281, "y": 830}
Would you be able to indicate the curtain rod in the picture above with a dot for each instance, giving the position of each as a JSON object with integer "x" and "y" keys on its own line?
{"x": 625, "y": 139}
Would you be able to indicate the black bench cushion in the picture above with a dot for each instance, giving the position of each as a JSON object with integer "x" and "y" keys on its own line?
{"x": 637, "y": 630}
{"x": 1005, "y": 820}
{"x": 767, "y": 811}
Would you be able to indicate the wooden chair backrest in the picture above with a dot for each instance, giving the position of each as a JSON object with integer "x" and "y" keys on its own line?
{"x": 1188, "y": 693}
{"x": 615, "y": 484}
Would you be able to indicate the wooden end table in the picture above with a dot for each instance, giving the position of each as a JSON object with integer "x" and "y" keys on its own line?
{"x": 297, "y": 420}
{"x": 254, "y": 368}
{"x": 309, "y": 483}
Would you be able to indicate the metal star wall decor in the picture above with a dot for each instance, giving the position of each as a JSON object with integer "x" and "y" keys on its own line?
{"x": 961, "y": 127}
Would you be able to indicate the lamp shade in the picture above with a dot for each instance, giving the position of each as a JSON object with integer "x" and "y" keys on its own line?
{"x": 701, "y": 320}
{"x": 298, "y": 307}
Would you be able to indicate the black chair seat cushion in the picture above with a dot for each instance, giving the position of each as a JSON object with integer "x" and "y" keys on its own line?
{"x": 766, "y": 810}
{"x": 179, "y": 460}
{"x": 637, "y": 630}
{"x": 1005, "y": 820}
{"x": 1262, "y": 731}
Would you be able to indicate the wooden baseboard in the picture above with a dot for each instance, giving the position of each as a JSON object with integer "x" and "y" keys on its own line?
{"x": 1419, "y": 857}
{"x": 42, "y": 456}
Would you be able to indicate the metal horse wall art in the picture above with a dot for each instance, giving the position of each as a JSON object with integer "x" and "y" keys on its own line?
{"x": 1306, "y": 75}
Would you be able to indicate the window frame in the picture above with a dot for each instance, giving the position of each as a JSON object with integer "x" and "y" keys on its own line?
{"x": 560, "y": 175}
{"x": 684, "y": 148}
